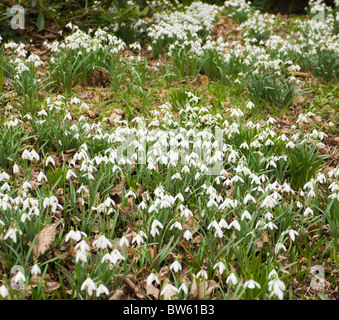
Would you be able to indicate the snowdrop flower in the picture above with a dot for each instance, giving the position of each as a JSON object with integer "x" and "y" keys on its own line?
{"x": 278, "y": 247}
{"x": 138, "y": 239}
{"x": 270, "y": 225}
{"x": 292, "y": 234}
{"x": 183, "y": 287}
{"x": 155, "y": 225}
{"x": 250, "y": 105}
{"x": 276, "y": 287}
{"x": 177, "y": 225}
{"x": 169, "y": 288}
{"x": 176, "y": 266}
{"x": 246, "y": 215}
{"x": 249, "y": 197}
{"x": 75, "y": 100}
{"x": 235, "y": 224}
{"x": 75, "y": 235}
{"x": 35, "y": 270}
{"x": 70, "y": 173}
{"x": 82, "y": 246}
{"x": 232, "y": 279}
{"x": 221, "y": 267}
{"x": 188, "y": 235}
{"x": 102, "y": 242}
{"x": 176, "y": 176}
{"x": 11, "y": 233}
{"x": 41, "y": 176}
{"x": 308, "y": 211}
{"x": 151, "y": 278}
{"x": 16, "y": 169}
{"x": 102, "y": 289}
{"x": 116, "y": 256}
{"x": 3, "y": 291}
{"x": 50, "y": 160}
{"x": 19, "y": 277}
{"x": 251, "y": 284}
{"x": 124, "y": 242}
{"x": 89, "y": 285}
{"x": 203, "y": 274}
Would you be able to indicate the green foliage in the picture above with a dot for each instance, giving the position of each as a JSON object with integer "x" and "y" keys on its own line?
{"x": 267, "y": 88}
{"x": 11, "y": 143}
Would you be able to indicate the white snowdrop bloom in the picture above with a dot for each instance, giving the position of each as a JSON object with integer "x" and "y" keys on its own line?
{"x": 270, "y": 225}
{"x": 176, "y": 266}
{"x": 276, "y": 287}
{"x": 123, "y": 242}
{"x": 116, "y": 256}
{"x": 308, "y": 211}
{"x": 186, "y": 213}
{"x": 12, "y": 234}
{"x": 75, "y": 100}
{"x": 250, "y": 105}
{"x": 235, "y": 224}
{"x": 82, "y": 246}
{"x": 102, "y": 242}
{"x": 249, "y": 197}
{"x": 35, "y": 270}
{"x": 202, "y": 274}
{"x": 278, "y": 247}
{"x": 138, "y": 239}
{"x": 290, "y": 145}
{"x": 246, "y": 215}
{"x": 41, "y": 176}
{"x": 177, "y": 225}
{"x": 151, "y": 278}
{"x": 169, "y": 288}
{"x": 223, "y": 224}
{"x": 4, "y": 291}
{"x": 232, "y": 279}
{"x": 269, "y": 216}
{"x": 19, "y": 277}
{"x": 155, "y": 225}
{"x": 75, "y": 235}
{"x": 251, "y": 284}
{"x": 26, "y": 185}
{"x": 16, "y": 169}
{"x": 102, "y": 289}
{"x": 269, "y": 202}
{"x": 188, "y": 235}
{"x": 292, "y": 234}
{"x": 176, "y": 176}
{"x": 183, "y": 287}
{"x": 70, "y": 173}
{"x": 89, "y": 286}
{"x": 221, "y": 267}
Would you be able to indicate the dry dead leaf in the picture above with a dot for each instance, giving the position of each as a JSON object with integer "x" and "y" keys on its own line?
{"x": 206, "y": 288}
{"x": 164, "y": 273}
{"x": 44, "y": 240}
{"x": 203, "y": 79}
{"x": 140, "y": 190}
{"x": 116, "y": 115}
{"x": 48, "y": 284}
{"x": 120, "y": 295}
{"x": 202, "y": 290}
{"x": 134, "y": 287}
{"x": 193, "y": 293}
{"x": 151, "y": 290}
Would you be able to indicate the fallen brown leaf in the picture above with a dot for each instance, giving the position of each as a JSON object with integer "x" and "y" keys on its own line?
{"x": 203, "y": 79}
{"x": 151, "y": 290}
{"x": 44, "y": 240}
{"x": 116, "y": 115}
